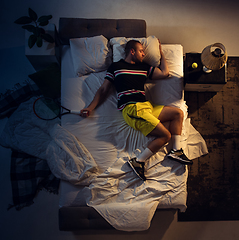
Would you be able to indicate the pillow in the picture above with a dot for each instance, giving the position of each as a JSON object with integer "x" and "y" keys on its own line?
{"x": 150, "y": 44}
{"x": 90, "y": 54}
{"x": 48, "y": 80}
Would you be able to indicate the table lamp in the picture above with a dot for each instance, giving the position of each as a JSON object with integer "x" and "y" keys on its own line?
{"x": 214, "y": 57}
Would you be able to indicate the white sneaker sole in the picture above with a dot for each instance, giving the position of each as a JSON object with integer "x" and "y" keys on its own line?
{"x": 178, "y": 159}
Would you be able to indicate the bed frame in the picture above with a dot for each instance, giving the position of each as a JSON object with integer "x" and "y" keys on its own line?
{"x": 83, "y": 217}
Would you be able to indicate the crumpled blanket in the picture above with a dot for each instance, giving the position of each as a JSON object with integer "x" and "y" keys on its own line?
{"x": 67, "y": 158}
{"x": 128, "y": 203}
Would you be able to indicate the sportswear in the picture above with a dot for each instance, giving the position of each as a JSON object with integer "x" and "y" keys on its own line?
{"x": 129, "y": 80}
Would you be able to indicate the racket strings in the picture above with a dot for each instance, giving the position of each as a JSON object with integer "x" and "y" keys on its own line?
{"x": 46, "y": 109}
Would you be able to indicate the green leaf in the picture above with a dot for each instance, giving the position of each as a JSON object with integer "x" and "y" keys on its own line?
{"x": 32, "y": 14}
{"x": 39, "y": 41}
{"x": 38, "y": 31}
{"x": 42, "y": 30}
{"x": 44, "y": 18}
{"x": 43, "y": 23}
{"x": 23, "y": 20}
{"x": 32, "y": 40}
{"x": 29, "y": 28}
{"x": 47, "y": 37}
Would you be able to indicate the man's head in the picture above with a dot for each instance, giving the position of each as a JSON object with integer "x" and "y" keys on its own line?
{"x": 134, "y": 50}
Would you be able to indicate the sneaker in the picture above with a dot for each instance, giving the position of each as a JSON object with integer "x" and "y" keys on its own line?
{"x": 138, "y": 168}
{"x": 179, "y": 156}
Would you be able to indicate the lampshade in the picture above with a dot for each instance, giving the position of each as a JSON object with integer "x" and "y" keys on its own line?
{"x": 214, "y": 56}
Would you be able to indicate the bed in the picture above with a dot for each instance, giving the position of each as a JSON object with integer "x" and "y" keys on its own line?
{"x": 109, "y": 195}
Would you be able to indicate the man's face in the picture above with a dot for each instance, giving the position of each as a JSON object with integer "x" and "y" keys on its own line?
{"x": 138, "y": 53}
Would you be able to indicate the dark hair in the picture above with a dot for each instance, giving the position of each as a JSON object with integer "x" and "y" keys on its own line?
{"x": 129, "y": 45}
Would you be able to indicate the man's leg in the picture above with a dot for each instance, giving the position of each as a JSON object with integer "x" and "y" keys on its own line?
{"x": 171, "y": 120}
{"x": 162, "y": 137}
{"x": 170, "y": 126}
{"x": 175, "y": 117}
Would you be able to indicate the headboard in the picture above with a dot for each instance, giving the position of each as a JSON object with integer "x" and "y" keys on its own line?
{"x": 81, "y": 27}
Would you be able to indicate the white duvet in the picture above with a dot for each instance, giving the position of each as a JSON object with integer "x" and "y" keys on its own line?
{"x": 67, "y": 158}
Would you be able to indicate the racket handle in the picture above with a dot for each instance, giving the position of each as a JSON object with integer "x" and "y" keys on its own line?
{"x": 75, "y": 111}
{"x": 86, "y": 112}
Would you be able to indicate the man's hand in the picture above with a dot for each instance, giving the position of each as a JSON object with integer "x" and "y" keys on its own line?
{"x": 99, "y": 98}
{"x": 85, "y": 112}
{"x": 162, "y": 71}
{"x": 160, "y": 47}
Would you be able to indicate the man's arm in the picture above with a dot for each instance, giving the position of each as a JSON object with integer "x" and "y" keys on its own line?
{"x": 99, "y": 98}
{"x": 162, "y": 71}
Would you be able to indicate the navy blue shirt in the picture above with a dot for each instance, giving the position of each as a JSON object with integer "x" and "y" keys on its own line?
{"x": 129, "y": 80}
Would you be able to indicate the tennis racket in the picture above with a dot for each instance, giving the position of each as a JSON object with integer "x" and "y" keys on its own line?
{"x": 49, "y": 109}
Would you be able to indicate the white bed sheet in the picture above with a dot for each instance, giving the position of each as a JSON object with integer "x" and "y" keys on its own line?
{"x": 110, "y": 140}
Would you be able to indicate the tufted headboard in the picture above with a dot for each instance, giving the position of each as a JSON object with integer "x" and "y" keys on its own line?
{"x": 81, "y": 27}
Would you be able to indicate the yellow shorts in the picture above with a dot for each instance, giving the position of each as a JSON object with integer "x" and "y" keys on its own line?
{"x": 142, "y": 116}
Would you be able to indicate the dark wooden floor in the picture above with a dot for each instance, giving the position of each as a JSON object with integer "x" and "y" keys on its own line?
{"x": 213, "y": 184}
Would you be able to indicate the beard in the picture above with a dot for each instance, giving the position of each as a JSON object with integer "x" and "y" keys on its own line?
{"x": 138, "y": 59}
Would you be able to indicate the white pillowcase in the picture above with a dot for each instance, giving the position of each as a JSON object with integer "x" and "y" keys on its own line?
{"x": 90, "y": 54}
{"x": 150, "y": 44}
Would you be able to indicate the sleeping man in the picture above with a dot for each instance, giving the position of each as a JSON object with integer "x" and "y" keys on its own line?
{"x": 128, "y": 76}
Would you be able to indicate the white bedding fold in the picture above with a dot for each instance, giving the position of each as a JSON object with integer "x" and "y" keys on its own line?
{"x": 128, "y": 203}
{"x": 67, "y": 158}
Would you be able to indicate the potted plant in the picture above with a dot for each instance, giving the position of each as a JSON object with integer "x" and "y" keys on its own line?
{"x": 38, "y": 33}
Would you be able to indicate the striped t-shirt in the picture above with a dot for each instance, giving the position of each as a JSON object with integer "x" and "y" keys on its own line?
{"x": 129, "y": 80}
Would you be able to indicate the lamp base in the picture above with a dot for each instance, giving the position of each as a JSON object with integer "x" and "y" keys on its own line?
{"x": 206, "y": 70}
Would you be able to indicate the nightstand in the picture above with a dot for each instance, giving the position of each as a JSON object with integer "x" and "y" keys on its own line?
{"x": 199, "y": 81}
{"x": 42, "y": 57}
